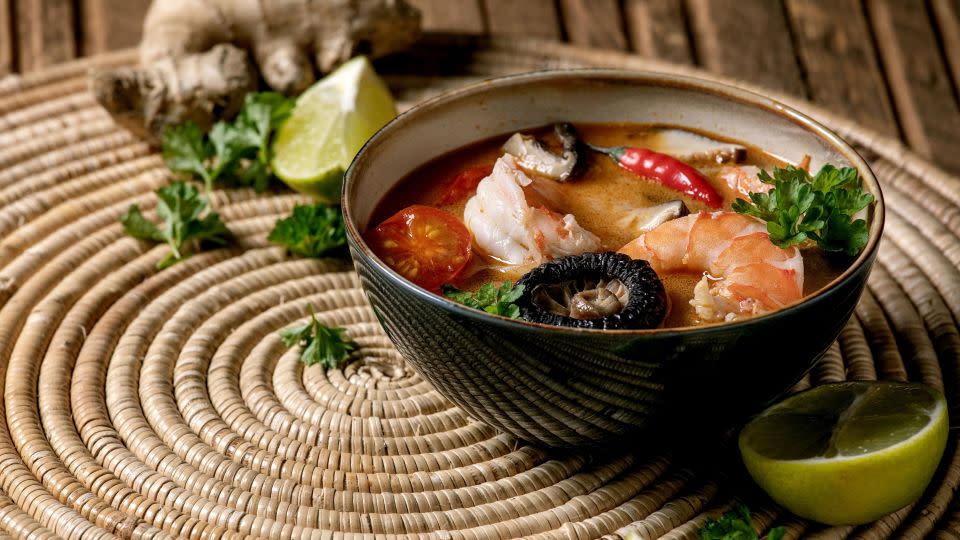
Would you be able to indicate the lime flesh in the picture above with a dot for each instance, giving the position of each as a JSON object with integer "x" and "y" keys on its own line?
{"x": 326, "y": 129}
{"x": 848, "y": 453}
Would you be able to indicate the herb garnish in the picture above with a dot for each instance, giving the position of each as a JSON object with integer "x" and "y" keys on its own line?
{"x": 312, "y": 230}
{"x": 490, "y": 297}
{"x": 186, "y": 222}
{"x": 234, "y": 153}
{"x": 736, "y": 525}
{"x": 821, "y": 208}
{"x": 321, "y": 344}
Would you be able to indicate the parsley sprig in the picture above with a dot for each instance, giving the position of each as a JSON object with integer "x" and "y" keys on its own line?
{"x": 234, "y": 153}
{"x": 312, "y": 230}
{"x": 819, "y": 208}
{"x": 185, "y": 222}
{"x": 490, "y": 297}
{"x": 320, "y": 344}
{"x": 736, "y": 525}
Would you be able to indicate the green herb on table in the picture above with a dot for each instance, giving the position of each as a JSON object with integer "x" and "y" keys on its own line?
{"x": 311, "y": 231}
{"x": 802, "y": 208}
{"x": 490, "y": 297}
{"x": 320, "y": 344}
{"x": 185, "y": 222}
{"x": 234, "y": 153}
{"x": 736, "y": 525}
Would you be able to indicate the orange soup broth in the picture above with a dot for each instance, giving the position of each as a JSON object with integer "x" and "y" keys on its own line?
{"x": 603, "y": 186}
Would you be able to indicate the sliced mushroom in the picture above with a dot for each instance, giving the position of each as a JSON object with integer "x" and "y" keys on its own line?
{"x": 583, "y": 301}
{"x": 602, "y": 300}
{"x": 554, "y": 298}
{"x": 532, "y": 156}
{"x": 645, "y": 219}
{"x": 695, "y": 148}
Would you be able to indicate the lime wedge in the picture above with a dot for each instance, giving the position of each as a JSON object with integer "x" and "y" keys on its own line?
{"x": 326, "y": 129}
{"x": 848, "y": 453}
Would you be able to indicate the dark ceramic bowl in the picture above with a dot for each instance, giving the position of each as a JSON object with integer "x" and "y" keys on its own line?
{"x": 573, "y": 387}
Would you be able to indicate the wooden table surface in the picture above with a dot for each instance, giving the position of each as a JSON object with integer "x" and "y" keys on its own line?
{"x": 892, "y": 65}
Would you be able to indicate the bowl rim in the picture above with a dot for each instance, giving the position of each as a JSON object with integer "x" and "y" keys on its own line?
{"x": 645, "y": 78}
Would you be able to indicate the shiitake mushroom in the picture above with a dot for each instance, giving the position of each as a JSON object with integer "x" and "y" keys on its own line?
{"x": 594, "y": 290}
{"x": 534, "y": 157}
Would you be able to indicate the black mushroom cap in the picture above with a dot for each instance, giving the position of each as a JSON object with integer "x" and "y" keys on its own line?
{"x": 645, "y": 306}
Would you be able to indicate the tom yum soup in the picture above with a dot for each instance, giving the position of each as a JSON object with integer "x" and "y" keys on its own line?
{"x": 614, "y": 226}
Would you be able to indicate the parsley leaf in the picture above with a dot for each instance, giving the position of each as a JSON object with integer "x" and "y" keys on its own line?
{"x": 234, "y": 153}
{"x": 736, "y": 525}
{"x": 490, "y": 297}
{"x": 841, "y": 234}
{"x": 256, "y": 175}
{"x": 185, "y": 222}
{"x": 321, "y": 344}
{"x": 262, "y": 113}
{"x": 819, "y": 208}
{"x": 229, "y": 147}
{"x": 186, "y": 151}
{"x": 140, "y": 227}
{"x": 311, "y": 230}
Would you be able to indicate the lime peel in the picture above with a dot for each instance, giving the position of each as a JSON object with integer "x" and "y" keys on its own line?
{"x": 326, "y": 129}
{"x": 848, "y": 489}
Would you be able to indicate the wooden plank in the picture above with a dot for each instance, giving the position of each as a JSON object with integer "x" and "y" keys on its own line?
{"x": 658, "y": 29}
{"x": 947, "y": 16}
{"x": 746, "y": 39}
{"x": 921, "y": 88}
{"x": 108, "y": 25}
{"x": 455, "y": 16}
{"x": 529, "y": 18}
{"x": 594, "y": 23}
{"x": 6, "y": 38}
{"x": 842, "y": 71}
{"x": 44, "y": 30}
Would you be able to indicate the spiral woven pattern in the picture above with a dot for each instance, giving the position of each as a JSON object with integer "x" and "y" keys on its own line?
{"x": 151, "y": 404}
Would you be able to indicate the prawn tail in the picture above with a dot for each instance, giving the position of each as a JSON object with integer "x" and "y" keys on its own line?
{"x": 771, "y": 287}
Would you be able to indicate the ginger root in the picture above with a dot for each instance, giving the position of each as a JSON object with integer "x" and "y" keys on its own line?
{"x": 195, "y": 55}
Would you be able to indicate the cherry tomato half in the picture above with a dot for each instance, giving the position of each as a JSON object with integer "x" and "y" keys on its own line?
{"x": 463, "y": 185}
{"x": 423, "y": 244}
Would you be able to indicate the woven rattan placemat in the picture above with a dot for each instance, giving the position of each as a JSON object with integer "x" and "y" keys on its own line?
{"x": 146, "y": 404}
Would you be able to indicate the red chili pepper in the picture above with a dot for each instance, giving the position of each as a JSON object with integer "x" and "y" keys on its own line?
{"x": 666, "y": 170}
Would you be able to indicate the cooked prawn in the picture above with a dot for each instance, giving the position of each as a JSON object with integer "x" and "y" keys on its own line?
{"x": 744, "y": 273}
{"x": 506, "y": 226}
{"x": 744, "y": 180}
